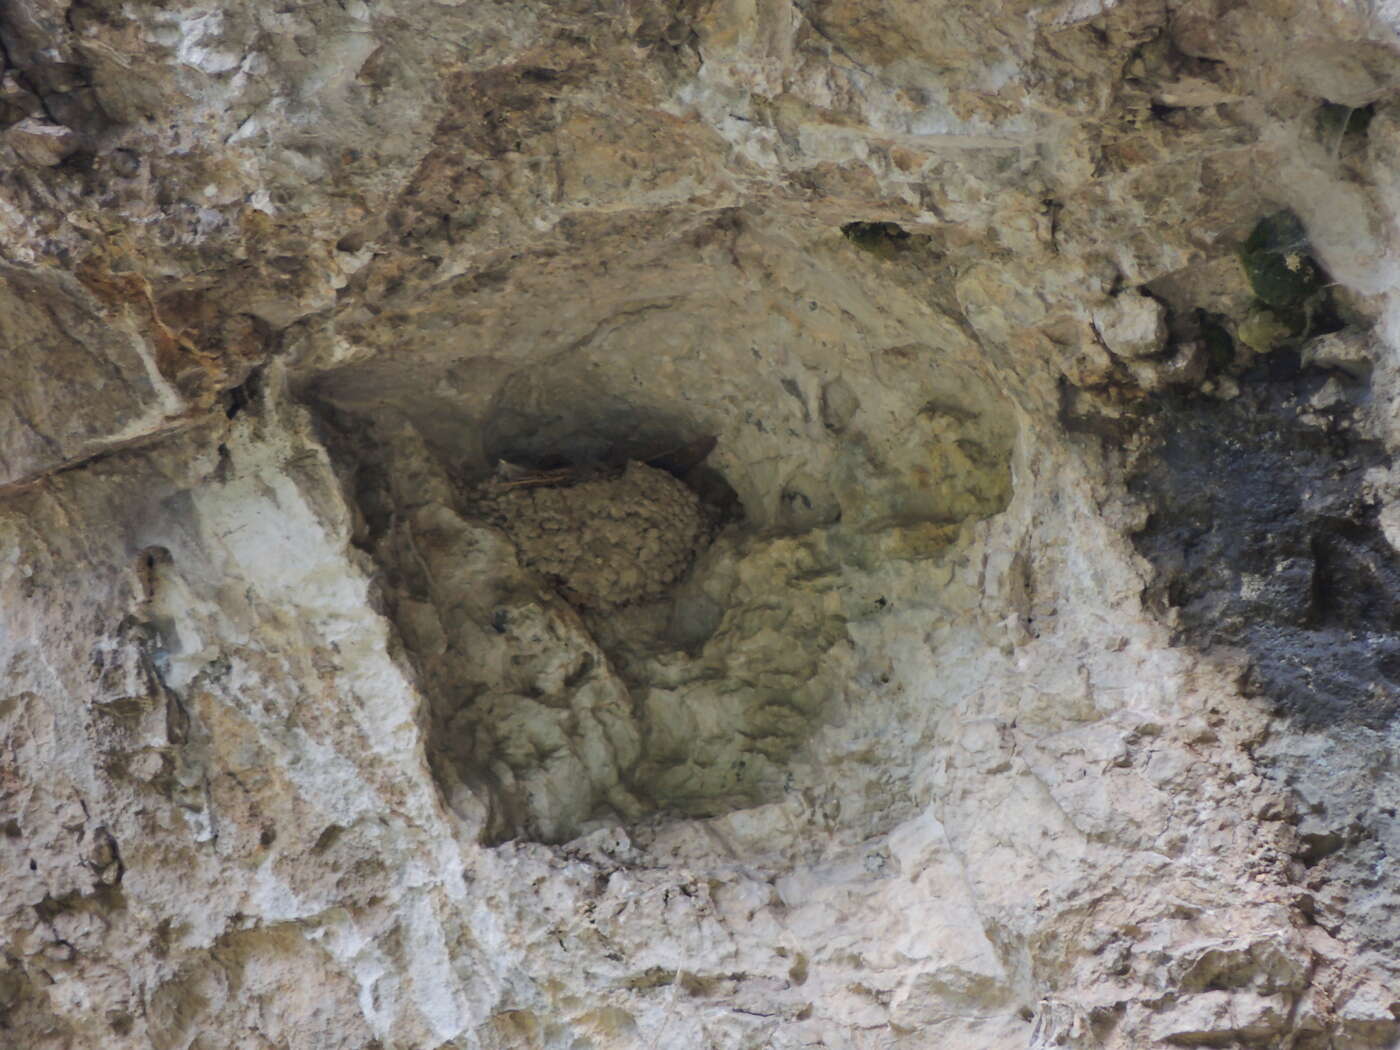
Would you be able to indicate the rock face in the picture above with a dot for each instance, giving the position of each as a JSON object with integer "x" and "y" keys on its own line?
{"x": 728, "y": 524}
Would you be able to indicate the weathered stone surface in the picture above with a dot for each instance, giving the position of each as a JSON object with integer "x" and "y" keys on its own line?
{"x": 41, "y": 143}
{"x": 1014, "y": 666}
{"x": 80, "y": 376}
{"x": 1133, "y": 325}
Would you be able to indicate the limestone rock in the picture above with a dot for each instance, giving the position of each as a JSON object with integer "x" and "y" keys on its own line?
{"x": 39, "y": 142}
{"x": 999, "y": 650}
{"x": 1132, "y": 325}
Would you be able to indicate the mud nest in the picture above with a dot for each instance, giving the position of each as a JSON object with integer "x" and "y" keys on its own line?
{"x": 606, "y": 539}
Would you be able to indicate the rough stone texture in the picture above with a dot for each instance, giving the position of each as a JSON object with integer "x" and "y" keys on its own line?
{"x": 607, "y": 541}
{"x": 1288, "y": 561}
{"x": 1035, "y": 690}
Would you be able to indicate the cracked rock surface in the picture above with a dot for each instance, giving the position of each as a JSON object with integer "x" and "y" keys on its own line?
{"x": 733, "y": 524}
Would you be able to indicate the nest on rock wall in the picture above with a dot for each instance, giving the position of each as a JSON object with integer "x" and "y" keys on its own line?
{"x": 606, "y": 538}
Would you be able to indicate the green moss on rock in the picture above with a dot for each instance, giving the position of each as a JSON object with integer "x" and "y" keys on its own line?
{"x": 1262, "y": 330}
{"x": 1278, "y": 260}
